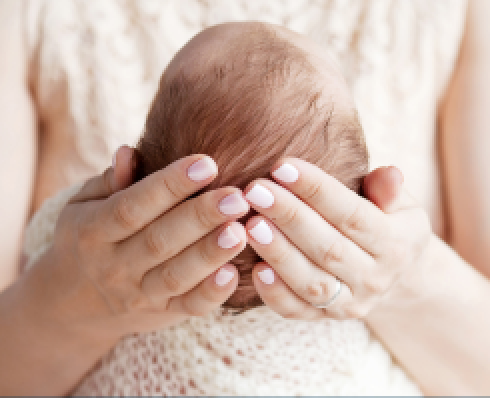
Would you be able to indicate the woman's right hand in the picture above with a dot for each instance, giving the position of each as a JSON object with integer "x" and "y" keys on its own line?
{"x": 134, "y": 259}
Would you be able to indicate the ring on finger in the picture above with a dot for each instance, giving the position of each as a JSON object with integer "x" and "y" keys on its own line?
{"x": 331, "y": 300}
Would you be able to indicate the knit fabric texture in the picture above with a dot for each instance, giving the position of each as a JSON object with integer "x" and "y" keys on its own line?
{"x": 255, "y": 353}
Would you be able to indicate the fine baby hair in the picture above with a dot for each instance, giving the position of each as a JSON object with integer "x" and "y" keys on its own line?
{"x": 247, "y": 94}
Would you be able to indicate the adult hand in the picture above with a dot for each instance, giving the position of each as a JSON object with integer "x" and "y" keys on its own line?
{"x": 313, "y": 230}
{"x": 132, "y": 259}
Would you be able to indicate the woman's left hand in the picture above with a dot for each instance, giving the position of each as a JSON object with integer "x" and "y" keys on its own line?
{"x": 312, "y": 229}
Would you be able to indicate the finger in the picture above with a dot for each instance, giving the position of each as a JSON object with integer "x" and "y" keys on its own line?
{"x": 383, "y": 186}
{"x": 186, "y": 270}
{"x": 180, "y": 227}
{"x": 355, "y": 217}
{"x": 124, "y": 163}
{"x": 277, "y": 295}
{"x": 112, "y": 180}
{"x": 129, "y": 210}
{"x": 310, "y": 282}
{"x": 208, "y": 295}
{"x": 298, "y": 227}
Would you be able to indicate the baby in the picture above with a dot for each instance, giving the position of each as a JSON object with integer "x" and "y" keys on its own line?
{"x": 247, "y": 94}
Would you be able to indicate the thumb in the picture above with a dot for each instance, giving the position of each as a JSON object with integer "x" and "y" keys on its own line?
{"x": 384, "y": 187}
{"x": 123, "y": 164}
{"x": 113, "y": 179}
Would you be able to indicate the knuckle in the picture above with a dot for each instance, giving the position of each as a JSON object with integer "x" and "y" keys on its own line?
{"x": 155, "y": 243}
{"x": 275, "y": 298}
{"x": 172, "y": 188}
{"x": 112, "y": 277}
{"x": 292, "y": 315}
{"x": 153, "y": 196}
{"x": 356, "y": 221}
{"x": 310, "y": 314}
{"x": 191, "y": 310}
{"x": 290, "y": 216}
{"x": 205, "y": 252}
{"x": 355, "y": 311}
{"x": 203, "y": 216}
{"x": 313, "y": 192}
{"x": 318, "y": 292}
{"x": 211, "y": 296}
{"x": 278, "y": 258}
{"x": 125, "y": 213}
{"x": 375, "y": 285}
{"x": 333, "y": 253}
{"x": 137, "y": 303}
{"x": 171, "y": 282}
{"x": 334, "y": 313}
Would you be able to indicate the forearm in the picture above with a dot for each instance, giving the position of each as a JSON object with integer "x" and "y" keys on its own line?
{"x": 465, "y": 141}
{"x": 435, "y": 322}
{"x": 41, "y": 354}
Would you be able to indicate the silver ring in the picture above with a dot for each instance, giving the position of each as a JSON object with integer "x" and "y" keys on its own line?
{"x": 333, "y": 298}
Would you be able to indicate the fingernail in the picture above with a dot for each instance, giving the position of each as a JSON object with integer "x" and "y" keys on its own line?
{"x": 233, "y": 204}
{"x": 227, "y": 239}
{"x": 260, "y": 196}
{"x": 223, "y": 276}
{"x": 202, "y": 169}
{"x": 286, "y": 173}
{"x": 266, "y": 276}
{"x": 262, "y": 233}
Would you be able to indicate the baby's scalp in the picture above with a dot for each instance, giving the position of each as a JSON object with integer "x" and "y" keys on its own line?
{"x": 247, "y": 94}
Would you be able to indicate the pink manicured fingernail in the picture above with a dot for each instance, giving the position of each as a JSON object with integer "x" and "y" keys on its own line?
{"x": 223, "y": 276}
{"x": 202, "y": 169}
{"x": 233, "y": 204}
{"x": 286, "y": 173}
{"x": 266, "y": 276}
{"x": 227, "y": 239}
{"x": 260, "y": 196}
{"x": 262, "y": 233}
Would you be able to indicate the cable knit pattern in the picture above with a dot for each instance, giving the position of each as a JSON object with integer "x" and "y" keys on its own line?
{"x": 95, "y": 66}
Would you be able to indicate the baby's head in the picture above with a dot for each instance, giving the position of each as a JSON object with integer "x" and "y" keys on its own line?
{"x": 247, "y": 94}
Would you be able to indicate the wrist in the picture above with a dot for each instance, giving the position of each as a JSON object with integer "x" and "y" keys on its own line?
{"x": 426, "y": 318}
{"x": 43, "y": 353}
{"x": 62, "y": 304}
